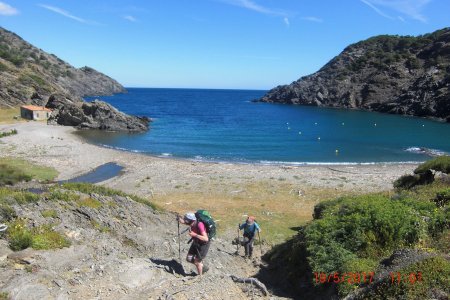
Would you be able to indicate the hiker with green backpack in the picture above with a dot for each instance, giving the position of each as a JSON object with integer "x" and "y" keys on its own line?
{"x": 250, "y": 227}
{"x": 202, "y": 230}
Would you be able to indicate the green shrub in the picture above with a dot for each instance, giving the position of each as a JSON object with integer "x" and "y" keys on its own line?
{"x": 39, "y": 238}
{"x": 40, "y": 173}
{"x": 8, "y": 133}
{"x": 11, "y": 176}
{"x": 441, "y": 163}
{"x": 442, "y": 198}
{"x": 7, "y": 213}
{"x": 20, "y": 197}
{"x": 410, "y": 181}
{"x": 407, "y": 181}
{"x": 89, "y": 202}
{"x": 434, "y": 274}
{"x": 57, "y": 194}
{"x": 358, "y": 266}
{"x": 19, "y": 236}
{"x": 367, "y": 226}
{"x": 44, "y": 238}
{"x": 49, "y": 213}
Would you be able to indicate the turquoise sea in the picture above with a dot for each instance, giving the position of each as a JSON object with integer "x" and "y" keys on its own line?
{"x": 225, "y": 126}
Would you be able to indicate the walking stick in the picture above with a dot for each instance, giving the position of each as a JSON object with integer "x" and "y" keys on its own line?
{"x": 179, "y": 246}
{"x": 238, "y": 240}
{"x": 260, "y": 246}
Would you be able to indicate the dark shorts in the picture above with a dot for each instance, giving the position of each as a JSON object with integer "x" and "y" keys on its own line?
{"x": 199, "y": 250}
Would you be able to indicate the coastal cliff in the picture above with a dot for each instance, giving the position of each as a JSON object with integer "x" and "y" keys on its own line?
{"x": 28, "y": 73}
{"x": 392, "y": 74}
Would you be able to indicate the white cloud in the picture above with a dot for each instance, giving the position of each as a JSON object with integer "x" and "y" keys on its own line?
{"x": 401, "y": 18}
{"x": 378, "y": 11}
{"x": 410, "y": 8}
{"x": 7, "y": 10}
{"x": 130, "y": 18}
{"x": 248, "y": 4}
{"x": 64, "y": 13}
{"x": 286, "y": 21}
{"x": 312, "y": 19}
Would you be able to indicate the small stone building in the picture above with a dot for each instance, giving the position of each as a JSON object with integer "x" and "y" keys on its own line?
{"x": 33, "y": 112}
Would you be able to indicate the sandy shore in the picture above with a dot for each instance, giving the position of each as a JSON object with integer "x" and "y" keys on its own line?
{"x": 58, "y": 147}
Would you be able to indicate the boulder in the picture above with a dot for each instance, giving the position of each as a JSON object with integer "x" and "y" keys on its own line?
{"x": 92, "y": 115}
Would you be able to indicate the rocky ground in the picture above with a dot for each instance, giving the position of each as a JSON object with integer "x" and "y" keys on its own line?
{"x": 122, "y": 250}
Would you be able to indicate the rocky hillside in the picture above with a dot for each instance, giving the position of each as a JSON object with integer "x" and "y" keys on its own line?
{"x": 87, "y": 242}
{"x": 30, "y": 75}
{"x": 392, "y": 74}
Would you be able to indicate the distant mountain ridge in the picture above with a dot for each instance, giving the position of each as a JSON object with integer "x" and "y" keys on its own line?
{"x": 30, "y": 75}
{"x": 392, "y": 74}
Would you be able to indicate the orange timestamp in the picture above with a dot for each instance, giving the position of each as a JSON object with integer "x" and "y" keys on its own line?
{"x": 348, "y": 277}
{"x": 365, "y": 277}
{"x": 412, "y": 278}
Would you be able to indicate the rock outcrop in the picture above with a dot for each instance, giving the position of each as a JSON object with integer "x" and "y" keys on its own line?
{"x": 120, "y": 249}
{"x": 29, "y": 75}
{"x": 93, "y": 115}
{"x": 391, "y": 74}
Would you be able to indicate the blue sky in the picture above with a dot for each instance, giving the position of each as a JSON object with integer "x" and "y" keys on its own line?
{"x": 246, "y": 44}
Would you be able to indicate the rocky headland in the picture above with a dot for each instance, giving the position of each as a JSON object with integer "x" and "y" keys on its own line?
{"x": 29, "y": 75}
{"x": 391, "y": 74}
{"x": 93, "y": 115}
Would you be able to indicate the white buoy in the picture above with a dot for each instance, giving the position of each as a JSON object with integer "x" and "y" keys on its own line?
{"x": 375, "y": 124}
{"x": 423, "y": 125}
{"x": 337, "y": 151}
{"x": 315, "y": 123}
{"x": 289, "y": 128}
{"x": 343, "y": 124}
{"x": 299, "y": 132}
{"x": 318, "y": 138}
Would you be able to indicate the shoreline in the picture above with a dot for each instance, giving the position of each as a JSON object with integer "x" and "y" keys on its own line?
{"x": 248, "y": 162}
{"x": 71, "y": 155}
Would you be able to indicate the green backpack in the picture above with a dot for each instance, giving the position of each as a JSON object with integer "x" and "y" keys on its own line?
{"x": 205, "y": 217}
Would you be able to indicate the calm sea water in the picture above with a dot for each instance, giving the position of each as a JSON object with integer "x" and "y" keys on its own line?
{"x": 223, "y": 125}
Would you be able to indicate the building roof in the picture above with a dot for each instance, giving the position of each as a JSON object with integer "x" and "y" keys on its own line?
{"x": 35, "y": 108}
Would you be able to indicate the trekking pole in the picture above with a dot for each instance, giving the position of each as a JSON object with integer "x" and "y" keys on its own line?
{"x": 238, "y": 240}
{"x": 260, "y": 245}
{"x": 179, "y": 246}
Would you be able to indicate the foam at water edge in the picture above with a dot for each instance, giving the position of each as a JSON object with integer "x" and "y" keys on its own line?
{"x": 199, "y": 158}
{"x": 426, "y": 151}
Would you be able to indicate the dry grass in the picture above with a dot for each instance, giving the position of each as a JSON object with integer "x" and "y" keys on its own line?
{"x": 7, "y": 115}
{"x": 277, "y": 206}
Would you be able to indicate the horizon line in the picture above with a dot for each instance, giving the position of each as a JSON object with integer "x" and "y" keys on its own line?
{"x": 196, "y": 88}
